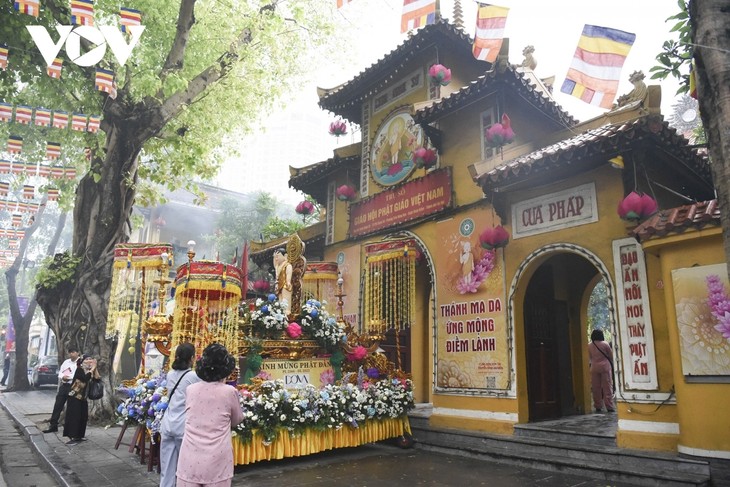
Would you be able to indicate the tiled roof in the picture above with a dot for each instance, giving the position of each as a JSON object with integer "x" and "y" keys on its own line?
{"x": 318, "y": 170}
{"x": 607, "y": 139}
{"x": 508, "y": 76}
{"x": 677, "y": 220}
{"x": 345, "y": 100}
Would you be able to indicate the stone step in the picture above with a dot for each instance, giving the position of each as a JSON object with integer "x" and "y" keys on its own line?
{"x": 597, "y": 461}
{"x": 535, "y": 431}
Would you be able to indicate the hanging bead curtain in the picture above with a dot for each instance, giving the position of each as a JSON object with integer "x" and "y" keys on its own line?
{"x": 206, "y": 305}
{"x": 320, "y": 282}
{"x": 133, "y": 292}
{"x": 390, "y": 288}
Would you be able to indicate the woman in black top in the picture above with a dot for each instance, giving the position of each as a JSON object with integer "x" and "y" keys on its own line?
{"x": 77, "y": 407}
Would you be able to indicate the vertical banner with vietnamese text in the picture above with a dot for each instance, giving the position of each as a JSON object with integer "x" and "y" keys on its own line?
{"x": 472, "y": 337}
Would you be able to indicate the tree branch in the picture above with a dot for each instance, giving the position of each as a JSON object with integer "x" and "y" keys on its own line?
{"x": 176, "y": 56}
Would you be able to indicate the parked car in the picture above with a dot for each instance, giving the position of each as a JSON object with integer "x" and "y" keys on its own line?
{"x": 45, "y": 371}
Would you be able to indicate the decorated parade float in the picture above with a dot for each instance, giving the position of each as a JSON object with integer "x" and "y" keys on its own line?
{"x": 308, "y": 382}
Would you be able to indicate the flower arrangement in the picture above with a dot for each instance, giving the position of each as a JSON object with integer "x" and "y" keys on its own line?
{"x": 269, "y": 407}
{"x": 635, "y": 207}
{"x": 294, "y": 330}
{"x": 269, "y": 317}
{"x": 424, "y": 157}
{"x": 305, "y": 208}
{"x": 345, "y": 192}
{"x": 500, "y": 134}
{"x": 719, "y": 302}
{"x": 145, "y": 403}
{"x": 317, "y": 323}
{"x": 338, "y": 128}
{"x": 439, "y": 74}
{"x": 494, "y": 238}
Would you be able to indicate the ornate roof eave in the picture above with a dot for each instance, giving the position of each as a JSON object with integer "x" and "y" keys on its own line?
{"x": 302, "y": 179}
{"x": 346, "y": 99}
{"x": 610, "y": 139}
{"x": 677, "y": 220}
{"x": 486, "y": 84}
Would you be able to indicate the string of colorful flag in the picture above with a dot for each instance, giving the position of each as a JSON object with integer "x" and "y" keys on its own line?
{"x": 594, "y": 74}
{"x": 82, "y": 12}
{"x": 42, "y": 117}
{"x": 40, "y": 170}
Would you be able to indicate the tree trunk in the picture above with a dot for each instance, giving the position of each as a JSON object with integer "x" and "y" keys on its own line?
{"x": 21, "y": 323}
{"x": 711, "y": 39}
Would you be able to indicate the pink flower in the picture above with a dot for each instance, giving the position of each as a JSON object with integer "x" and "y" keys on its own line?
{"x": 424, "y": 157}
{"x": 493, "y": 238}
{"x": 358, "y": 353}
{"x": 338, "y": 127}
{"x": 261, "y": 286}
{"x": 345, "y": 193}
{"x": 305, "y": 208}
{"x": 440, "y": 74}
{"x": 294, "y": 330}
{"x": 480, "y": 273}
{"x": 327, "y": 377}
{"x": 719, "y": 302}
{"x": 395, "y": 169}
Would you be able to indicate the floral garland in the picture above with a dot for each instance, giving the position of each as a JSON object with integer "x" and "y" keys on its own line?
{"x": 478, "y": 275}
{"x": 145, "y": 404}
{"x": 719, "y": 302}
{"x": 269, "y": 317}
{"x": 317, "y": 323}
{"x": 269, "y": 407}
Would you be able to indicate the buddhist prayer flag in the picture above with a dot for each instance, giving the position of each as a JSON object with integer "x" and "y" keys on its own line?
{"x": 342, "y": 3}
{"x": 43, "y": 170}
{"x": 28, "y": 192}
{"x": 30, "y": 7}
{"x": 69, "y": 173}
{"x": 104, "y": 80}
{"x": 60, "y": 120}
{"x": 18, "y": 168}
{"x": 42, "y": 117}
{"x": 23, "y": 114}
{"x": 53, "y": 151}
{"x": 6, "y": 112}
{"x": 52, "y": 194}
{"x": 129, "y": 17}
{"x": 94, "y": 123}
{"x": 594, "y": 74}
{"x": 3, "y": 56}
{"x": 4, "y": 187}
{"x": 15, "y": 144}
{"x": 56, "y": 172}
{"x": 417, "y": 13}
{"x": 17, "y": 220}
{"x": 82, "y": 12}
{"x": 54, "y": 70}
{"x": 5, "y": 166}
{"x": 78, "y": 122}
{"x": 692, "y": 81}
{"x": 491, "y": 20}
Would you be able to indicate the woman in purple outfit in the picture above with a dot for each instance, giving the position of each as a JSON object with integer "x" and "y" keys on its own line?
{"x": 211, "y": 408}
{"x": 601, "y": 372}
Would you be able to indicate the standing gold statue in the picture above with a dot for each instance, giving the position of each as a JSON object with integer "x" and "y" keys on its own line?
{"x": 283, "y": 279}
{"x": 295, "y": 257}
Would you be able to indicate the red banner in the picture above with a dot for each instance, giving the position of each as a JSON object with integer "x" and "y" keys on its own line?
{"x": 411, "y": 201}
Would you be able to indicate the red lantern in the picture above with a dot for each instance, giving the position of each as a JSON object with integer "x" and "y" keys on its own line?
{"x": 635, "y": 206}
{"x": 305, "y": 208}
{"x": 494, "y": 238}
{"x": 424, "y": 157}
{"x": 345, "y": 193}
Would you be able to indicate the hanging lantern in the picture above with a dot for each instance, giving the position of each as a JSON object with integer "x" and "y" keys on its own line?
{"x": 305, "y": 208}
{"x": 440, "y": 74}
{"x": 345, "y": 192}
{"x": 261, "y": 286}
{"x": 500, "y": 134}
{"x": 424, "y": 157}
{"x": 635, "y": 207}
{"x": 338, "y": 128}
{"x": 494, "y": 238}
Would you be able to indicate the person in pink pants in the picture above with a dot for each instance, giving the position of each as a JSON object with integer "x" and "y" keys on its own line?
{"x": 601, "y": 357}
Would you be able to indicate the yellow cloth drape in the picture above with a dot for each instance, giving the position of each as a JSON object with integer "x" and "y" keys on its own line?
{"x": 313, "y": 441}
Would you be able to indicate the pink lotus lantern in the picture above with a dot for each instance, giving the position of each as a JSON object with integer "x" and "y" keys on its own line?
{"x": 345, "y": 193}
{"x": 499, "y": 134}
{"x": 440, "y": 74}
{"x": 338, "y": 128}
{"x": 494, "y": 238}
{"x": 424, "y": 157}
{"x": 261, "y": 286}
{"x": 305, "y": 208}
{"x": 357, "y": 353}
{"x": 636, "y": 207}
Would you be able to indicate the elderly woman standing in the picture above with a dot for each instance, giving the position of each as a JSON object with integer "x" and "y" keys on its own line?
{"x": 212, "y": 408}
{"x": 77, "y": 406}
{"x": 172, "y": 426}
{"x": 601, "y": 372}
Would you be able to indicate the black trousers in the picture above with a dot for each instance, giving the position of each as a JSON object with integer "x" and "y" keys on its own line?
{"x": 61, "y": 399}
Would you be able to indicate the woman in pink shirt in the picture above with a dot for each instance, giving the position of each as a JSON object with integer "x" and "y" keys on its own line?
{"x": 211, "y": 408}
{"x": 601, "y": 357}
